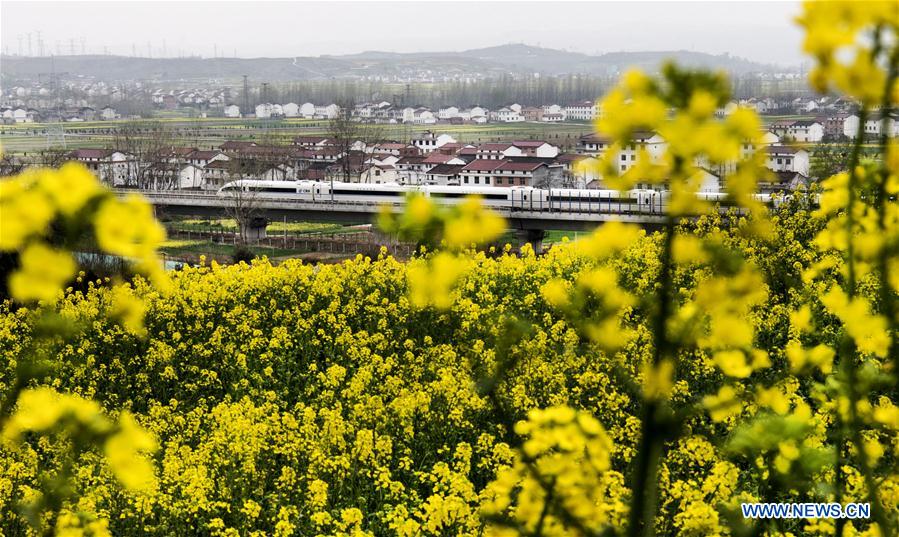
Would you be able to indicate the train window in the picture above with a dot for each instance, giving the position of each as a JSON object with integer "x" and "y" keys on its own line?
{"x": 277, "y": 190}
{"x": 375, "y": 193}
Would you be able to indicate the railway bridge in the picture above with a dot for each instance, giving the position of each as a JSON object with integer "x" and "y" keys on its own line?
{"x": 530, "y": 225}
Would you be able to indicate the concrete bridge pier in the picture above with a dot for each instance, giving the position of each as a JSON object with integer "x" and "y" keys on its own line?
{"x": 534, "y": 237}
{"x": 253, "y": 229}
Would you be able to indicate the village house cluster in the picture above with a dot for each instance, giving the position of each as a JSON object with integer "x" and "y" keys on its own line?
{"x": 434, "y": 158}
{"x": 68, "y": 101}
{"x": 385, "y": 112}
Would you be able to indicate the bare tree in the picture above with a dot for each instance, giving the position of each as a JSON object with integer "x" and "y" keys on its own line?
{"x": 242, "y": 204}
{"x": 148, "y": 148}
{"x": 343, "y": 132}
{"x": 11, "y": 165}
{"x": 347, "y": 135}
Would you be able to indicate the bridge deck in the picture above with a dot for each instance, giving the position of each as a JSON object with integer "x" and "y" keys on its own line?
{"x": 356, "y": 212}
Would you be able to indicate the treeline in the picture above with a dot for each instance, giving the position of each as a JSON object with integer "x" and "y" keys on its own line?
{"x": 493, "y": 93}
{"x": 534, "y": 90}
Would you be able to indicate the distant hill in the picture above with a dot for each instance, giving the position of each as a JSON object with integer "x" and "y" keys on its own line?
{"x": 512, "y": 59}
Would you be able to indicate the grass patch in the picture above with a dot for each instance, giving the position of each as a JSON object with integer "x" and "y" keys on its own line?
{"x": 229, "y": 224}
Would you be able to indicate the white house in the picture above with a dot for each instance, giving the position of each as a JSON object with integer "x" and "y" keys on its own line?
{"x": 110, "y": 166}
{"x": 506, "y": 115}
{"x": 327, "y": 111}
{"x": 423, "y": 116}
{"x": 190, "y": 176}
{"x": 799, "y": 131}
{"x": 498, "y": 151}
{"x": 21, "y": 115}
{"x": 873, "y": 126}
{"x": 478, "y": 114}
{"x": 651, "y": 142}
{"x": 201, "y": 158}
{"x": 264, "y": 110}
{"x": 412, "y": 170}
{"x": 108, "y": 113}
{"x": 378, "y": 173}
{"x": 232, "y": 110}
{"x": 782, "y": 158}
{"x": 553, "y": 109}
{"x": 307, "y": 110}
{"x": 537, "y": 148}
{"x": 581, "y": 111}
{"x": 448, "y": 112}
{"x": 429, "y": 141}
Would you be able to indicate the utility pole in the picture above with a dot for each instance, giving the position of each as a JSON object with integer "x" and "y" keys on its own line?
{"x": 29, "y": 44}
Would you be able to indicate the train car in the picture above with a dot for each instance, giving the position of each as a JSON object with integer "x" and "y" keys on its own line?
{"x": 605, "y": 201}
{"x": 516, "y": 198}
{"x": 295, "y": 190}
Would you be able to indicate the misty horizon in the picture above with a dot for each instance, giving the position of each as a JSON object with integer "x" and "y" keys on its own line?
{"x": 759, "y": 32}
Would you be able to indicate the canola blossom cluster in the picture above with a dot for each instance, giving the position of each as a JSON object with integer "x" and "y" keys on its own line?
{"x": 301, "y": 400}
{"x": 628, "y": 383}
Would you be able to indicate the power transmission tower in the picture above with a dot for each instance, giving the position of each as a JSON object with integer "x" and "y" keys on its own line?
{"x": 246, "y": 96}
{"x": 56, "y": 133}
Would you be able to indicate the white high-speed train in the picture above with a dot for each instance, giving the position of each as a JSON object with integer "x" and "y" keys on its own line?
{"x": 514, "y": 198}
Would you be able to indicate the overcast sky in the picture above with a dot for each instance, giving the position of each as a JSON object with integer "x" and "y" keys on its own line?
{"x": 761, "y": 31}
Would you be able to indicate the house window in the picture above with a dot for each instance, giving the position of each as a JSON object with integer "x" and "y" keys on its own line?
{"x": 623, "y": 157}
{"x": 486, "y": 180}
{"x": 477, "y": 180}
{"x": 623, "y": 167}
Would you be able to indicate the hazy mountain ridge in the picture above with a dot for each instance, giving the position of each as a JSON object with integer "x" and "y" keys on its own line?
{"x": 491, "y": 61}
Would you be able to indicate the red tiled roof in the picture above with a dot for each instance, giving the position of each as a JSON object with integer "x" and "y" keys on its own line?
{"x": 446, "y": 169}
{"x": 782, "y": 149}
{"x": 299, "y": 140}
{"x": 595, "y": 137}
{"x": 437, "y": 158}
{"x": 204, "y": 155}
{"x": 482, "y": 165}
{"x": 391, "y": 145}
{"x": 529, "y": 143}
{"x": 494, "y": 146}
{"x": 508, "y": 166}
{"x": 568, "y": 157}
{"x": 90, "y": 153}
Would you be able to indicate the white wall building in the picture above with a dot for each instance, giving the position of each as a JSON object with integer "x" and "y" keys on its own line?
{"x": 581, "y": 111}
{"x": 783, "y": 158}
{"x": 232, "y": 110}
{"x": 307, "y": 110}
